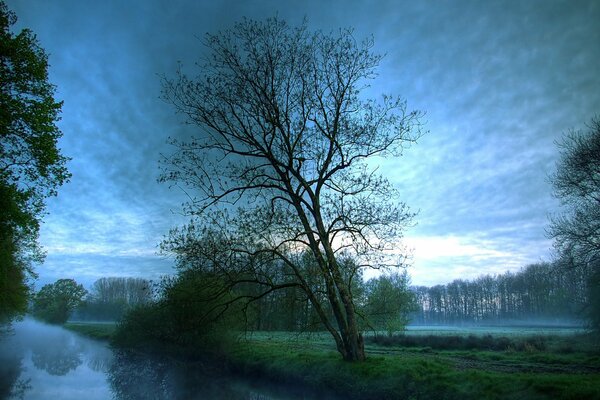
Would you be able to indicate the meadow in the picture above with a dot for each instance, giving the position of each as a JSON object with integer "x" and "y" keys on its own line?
{"x": 94, "y": 330}
{"x": 423, "y": 363}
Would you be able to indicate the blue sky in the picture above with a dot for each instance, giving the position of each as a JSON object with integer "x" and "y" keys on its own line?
{"x": 499, "y": 81}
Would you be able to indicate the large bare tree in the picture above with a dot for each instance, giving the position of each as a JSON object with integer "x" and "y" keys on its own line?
{"x": 280, "y": 165}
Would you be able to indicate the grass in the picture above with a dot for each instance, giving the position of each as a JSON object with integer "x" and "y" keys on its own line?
{"x": 398, "y": 372}
{"x": 444, "y": 366}
{"x": 95, "y": 330}
{"x": 424, "y": 366}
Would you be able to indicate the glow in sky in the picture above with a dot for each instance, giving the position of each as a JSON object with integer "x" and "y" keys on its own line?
{"x": 499, "y": 81}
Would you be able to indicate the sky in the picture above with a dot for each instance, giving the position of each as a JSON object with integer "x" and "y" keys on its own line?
{"x": 499, "y": 82}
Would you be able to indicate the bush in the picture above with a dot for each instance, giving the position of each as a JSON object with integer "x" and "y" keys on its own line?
{"x": 456, "y": 342}
{"x": 55, "y": 302}
{"x": 194, "y": 316}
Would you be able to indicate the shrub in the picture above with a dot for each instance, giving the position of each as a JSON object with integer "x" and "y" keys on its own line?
{"x": 456, "y": 342}
{"x": 194, "y": 315}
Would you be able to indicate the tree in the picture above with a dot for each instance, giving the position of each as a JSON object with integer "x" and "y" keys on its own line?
{"x": 280, "y": 165}
{"x": 31, "y": 166}
{"x": 193, "y": 315}
{"x": 111, "y": 297}
{"x": 55, "y": 302}
{"x": 576, "y": 232}
{"x": 389, "y": 302}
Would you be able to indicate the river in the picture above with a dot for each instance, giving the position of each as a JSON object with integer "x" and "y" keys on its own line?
{"x": 39, "y": 361}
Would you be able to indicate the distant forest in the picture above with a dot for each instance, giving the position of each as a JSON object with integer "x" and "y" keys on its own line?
{"x": 540, "y": 294}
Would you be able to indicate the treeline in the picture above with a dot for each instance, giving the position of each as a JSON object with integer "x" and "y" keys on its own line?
{"x": 539, "y": 293}
{"x": 109, "y": 298}
{"x": 383, "y": 304}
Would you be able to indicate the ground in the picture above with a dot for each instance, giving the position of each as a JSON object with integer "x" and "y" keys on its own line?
{"x": 475, "y": 363}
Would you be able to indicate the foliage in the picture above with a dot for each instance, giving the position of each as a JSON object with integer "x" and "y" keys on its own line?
{"x": 193, "y": 315}
{"x": 31, "y": 166}
{"x": 55, "y": 302}
{"x": 285, "y": 137}
{"x": 576, "y": 232}
{"x": 389, "y": 302}
{"x": 289, "y": 308}
{"x": 468, "y": 342}
{"x": 111, "y": 297}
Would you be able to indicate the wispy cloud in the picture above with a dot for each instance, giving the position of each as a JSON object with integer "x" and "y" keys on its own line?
{"x": 499, "y": 81}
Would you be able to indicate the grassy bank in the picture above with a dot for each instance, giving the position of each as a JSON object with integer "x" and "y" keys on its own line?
{"x": 94, "y": 330}
{"x": 398, "y": 372}
{"x": 525, "y": 367}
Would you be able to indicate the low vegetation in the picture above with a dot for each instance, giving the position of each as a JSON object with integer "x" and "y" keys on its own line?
{"x": 404, "y": 373}
{"x": 469, "y": 342}
{"x": 415, "y": 366}
{"x": 193, "y": 315}
{"x": 95, "y": 330}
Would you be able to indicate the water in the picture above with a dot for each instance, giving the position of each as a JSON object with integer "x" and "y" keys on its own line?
{"x": 39, "y": 361}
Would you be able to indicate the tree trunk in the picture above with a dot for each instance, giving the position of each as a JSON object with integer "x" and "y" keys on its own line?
{"x": 354, "y": 347}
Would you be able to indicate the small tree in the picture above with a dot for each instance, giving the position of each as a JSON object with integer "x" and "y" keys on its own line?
{"x": 55, "y": 302}
{"x": 577, "y": 231}
{"x": 285, "y": 136}
{"x": 31, "y": 166}
{"x": 389, "y": 302}
{"x": 194, "y": 315}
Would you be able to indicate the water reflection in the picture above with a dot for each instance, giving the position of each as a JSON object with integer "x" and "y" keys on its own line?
{"x": 136, "y": 377}
{"x": 59, "y": 358}
{"x": 38, "y": 361}
{"x": 11, "y": 387}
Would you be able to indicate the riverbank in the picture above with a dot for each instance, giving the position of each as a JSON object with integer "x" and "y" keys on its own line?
{"x": 397, "y": 372}
{"x": 95, "y": 330}
{"x": 540, "y": 367}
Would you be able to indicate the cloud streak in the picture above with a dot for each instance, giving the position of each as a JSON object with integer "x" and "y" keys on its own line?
{"x": 499, "y": 81}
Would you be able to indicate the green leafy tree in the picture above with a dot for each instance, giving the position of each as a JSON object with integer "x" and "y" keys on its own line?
{"x": 31, "y": 166}
{"x": 55, "y": 302}
{"x": 389, "y": 301}
{"x": 196, "y": 313}
{"x": 576, "y": 232}
{"x": 285, "y": 135}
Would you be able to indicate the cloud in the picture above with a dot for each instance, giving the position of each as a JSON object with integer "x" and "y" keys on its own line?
{"x": 499, "y": 83}
{"x": 441, "y": 259}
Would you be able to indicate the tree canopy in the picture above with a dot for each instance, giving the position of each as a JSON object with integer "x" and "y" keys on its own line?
{"x": 279, "y": 165}
{"x": 55, "y": 302}
{"x": 31, "y": 166}
{"x": 577, "y": 230}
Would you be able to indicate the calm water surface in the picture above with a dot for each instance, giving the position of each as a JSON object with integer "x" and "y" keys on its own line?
{"x": 39, "y": 361}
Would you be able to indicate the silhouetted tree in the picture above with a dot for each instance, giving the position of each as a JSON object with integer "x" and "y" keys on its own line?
{"x": 285, "y": 136}
{"x": 55, "y": 302}
{"x": 576, "y": 232}
{"x": 31, "y": 166}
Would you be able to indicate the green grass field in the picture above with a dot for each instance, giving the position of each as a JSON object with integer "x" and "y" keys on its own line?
{"x": 534, "y": 363}
{"x": 531, "y": 363}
